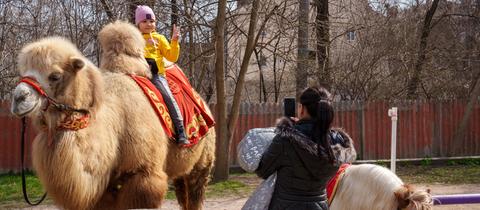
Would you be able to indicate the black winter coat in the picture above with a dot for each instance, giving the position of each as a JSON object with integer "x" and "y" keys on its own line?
{"x": 302, "y": 171}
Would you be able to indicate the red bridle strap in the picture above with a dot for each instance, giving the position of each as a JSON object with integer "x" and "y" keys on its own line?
{"x": 62, "y": 107}
{"x": 71, "y": 121}
{"x": 33, "y": 83}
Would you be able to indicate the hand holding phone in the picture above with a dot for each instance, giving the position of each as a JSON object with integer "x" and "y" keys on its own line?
{"x": 289, "y": 107}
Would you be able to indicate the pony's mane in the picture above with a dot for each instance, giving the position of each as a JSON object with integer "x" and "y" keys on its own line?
{"x": 413, "y": 199}
{"x": 368, "y": 186}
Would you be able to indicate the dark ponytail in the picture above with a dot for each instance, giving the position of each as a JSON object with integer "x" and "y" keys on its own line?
{"x": 318, "y": 104}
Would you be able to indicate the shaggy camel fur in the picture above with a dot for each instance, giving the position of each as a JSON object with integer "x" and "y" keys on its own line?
{"x": 188, "y": 168}
{"x": 117, "y": 162}
{"x": 122, "y": 50}
{"x": 373, "y": 187}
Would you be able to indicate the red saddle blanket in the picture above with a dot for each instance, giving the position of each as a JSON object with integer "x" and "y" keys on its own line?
{"x": 196, "y": 119}
{"x": 332, "y": 184}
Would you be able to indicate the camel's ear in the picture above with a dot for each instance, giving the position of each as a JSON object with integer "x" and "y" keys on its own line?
{"x": 76, "y": 64}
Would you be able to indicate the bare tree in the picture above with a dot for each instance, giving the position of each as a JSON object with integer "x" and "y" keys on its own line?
{"x": 302, "y": 53}
{"x": 222, "y": 171}
{"x": 222, "y": 143}
{"x": 108, "y": 10}
{"x": 252, "y": 39}
{"x": 415, "y": 80}
{"x": 323, "y": 39}
{"x": 174, "y": 11}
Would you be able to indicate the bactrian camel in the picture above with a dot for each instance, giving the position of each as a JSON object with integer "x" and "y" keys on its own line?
{"x": 117, "y": 156}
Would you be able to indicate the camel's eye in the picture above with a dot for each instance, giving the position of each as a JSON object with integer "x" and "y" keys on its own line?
{"x": 54, "y": 77}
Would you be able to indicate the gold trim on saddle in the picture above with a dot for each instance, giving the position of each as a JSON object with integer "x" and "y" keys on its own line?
{"x": 161, "y": 108}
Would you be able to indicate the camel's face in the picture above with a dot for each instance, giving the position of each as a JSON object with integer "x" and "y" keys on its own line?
{"x": 53, "y": 64}
{"x": 25, "y": 100}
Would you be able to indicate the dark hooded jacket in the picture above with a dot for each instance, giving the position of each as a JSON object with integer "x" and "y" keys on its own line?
{"x": 302, "y": 169}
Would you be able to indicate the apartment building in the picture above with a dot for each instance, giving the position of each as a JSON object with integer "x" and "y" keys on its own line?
{"x": 272, "y": 67}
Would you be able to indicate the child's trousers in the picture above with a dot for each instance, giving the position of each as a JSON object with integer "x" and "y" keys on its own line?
{"x": 162, "y": 85}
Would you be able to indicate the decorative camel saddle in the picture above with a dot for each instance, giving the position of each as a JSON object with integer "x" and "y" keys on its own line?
{"x": 197, "y": 120}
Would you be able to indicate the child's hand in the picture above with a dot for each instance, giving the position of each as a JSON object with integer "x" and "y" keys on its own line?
{"x": 175, "y": 33}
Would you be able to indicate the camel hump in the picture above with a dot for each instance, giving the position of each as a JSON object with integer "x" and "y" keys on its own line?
{"x": 122, "y": 38}
{"x": 123, "y": 49}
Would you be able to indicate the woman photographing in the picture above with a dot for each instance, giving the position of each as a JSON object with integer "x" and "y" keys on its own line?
{"x": 301, "y": 155}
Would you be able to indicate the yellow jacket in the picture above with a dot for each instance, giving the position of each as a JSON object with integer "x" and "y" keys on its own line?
{"x": 157, "y": 48}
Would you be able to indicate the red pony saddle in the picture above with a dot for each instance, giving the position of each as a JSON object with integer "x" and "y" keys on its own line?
{"x": 196, "y": 119}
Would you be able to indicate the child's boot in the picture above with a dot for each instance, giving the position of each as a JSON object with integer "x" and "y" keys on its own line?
{"x": 182, "y": 137}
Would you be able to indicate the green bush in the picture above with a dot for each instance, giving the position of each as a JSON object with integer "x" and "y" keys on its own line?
{"x": 427, "y": 161}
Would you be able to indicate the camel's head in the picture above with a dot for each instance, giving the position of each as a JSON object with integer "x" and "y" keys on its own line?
{"x": 52, "y": 63}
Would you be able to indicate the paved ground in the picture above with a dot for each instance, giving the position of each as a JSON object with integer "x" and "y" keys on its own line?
{"x": 235, "y": 203}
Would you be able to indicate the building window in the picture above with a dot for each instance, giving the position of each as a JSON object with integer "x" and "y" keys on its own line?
{"x": 351, "y": 35}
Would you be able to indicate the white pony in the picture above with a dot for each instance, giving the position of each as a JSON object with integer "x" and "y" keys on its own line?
{"x": 361, "y": 187}
{"x": 373, "y": 187}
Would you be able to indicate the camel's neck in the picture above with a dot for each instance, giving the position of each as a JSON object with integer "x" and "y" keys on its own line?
{"x": 85, "y": 90}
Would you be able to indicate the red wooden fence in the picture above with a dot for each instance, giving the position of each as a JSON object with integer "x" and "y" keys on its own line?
{"x": 425, "y": 129}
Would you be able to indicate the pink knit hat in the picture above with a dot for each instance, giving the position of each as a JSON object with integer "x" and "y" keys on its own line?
{"x": 143, "y": 12}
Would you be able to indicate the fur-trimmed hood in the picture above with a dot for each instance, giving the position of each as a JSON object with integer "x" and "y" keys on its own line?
{"x": 300, "y": 135}
{"x": 287, "y": 129}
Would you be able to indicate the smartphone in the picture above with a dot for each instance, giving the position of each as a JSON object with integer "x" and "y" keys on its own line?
{"x": 289, "y": 107}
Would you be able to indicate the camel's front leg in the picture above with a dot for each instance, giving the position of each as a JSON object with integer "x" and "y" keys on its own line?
{"x": 141, "y": 190}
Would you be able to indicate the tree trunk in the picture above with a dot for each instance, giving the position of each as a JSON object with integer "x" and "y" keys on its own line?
{"x": 108, "y": 10}
{"x": 222, "y": 143}
{"x": 201, "y": 77}
{"x": 474, "y": 60}
{"x": 251, "y": 40}
{"x": 174, "y": 15}
{"x": 302, "y": 52}
{"x": 323, "y": 39}
{"x": 191, "y": 41}
{"x": 276, "y": 88}
{"x": 262, "y": 87}
{"x": 415, "y": 80}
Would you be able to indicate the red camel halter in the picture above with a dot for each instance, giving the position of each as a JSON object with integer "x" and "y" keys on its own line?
{"x": 71, "y": 121}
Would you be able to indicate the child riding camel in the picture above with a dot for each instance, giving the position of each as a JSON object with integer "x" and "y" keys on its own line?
{"x": 157, "y": 47}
